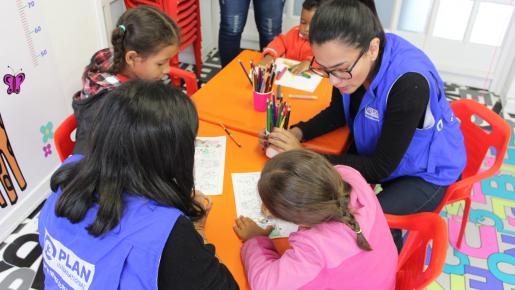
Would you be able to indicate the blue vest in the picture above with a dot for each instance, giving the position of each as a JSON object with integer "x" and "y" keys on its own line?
{"x": 436, "y": 152}
{"x": 127, "y": 257}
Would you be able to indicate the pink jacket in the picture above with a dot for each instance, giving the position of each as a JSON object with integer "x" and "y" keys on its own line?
{"x": 326, "y": 256}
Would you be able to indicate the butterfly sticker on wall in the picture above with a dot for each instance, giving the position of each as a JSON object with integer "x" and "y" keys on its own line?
{"x": 14, "y": 81}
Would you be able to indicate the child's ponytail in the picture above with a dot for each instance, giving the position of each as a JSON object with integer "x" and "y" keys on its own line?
{"x": 349, "y": 219}
{"x": 118, "y": 48}
{"x": 145, "y": 30}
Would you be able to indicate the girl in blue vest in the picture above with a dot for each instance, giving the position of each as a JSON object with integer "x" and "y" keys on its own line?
{"x": 390, "y": 95}
{"x": 122, "y": 216}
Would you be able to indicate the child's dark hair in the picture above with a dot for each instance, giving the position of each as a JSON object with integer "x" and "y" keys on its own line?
{"x": 302, "y": 187}
{"x": 145, "y": 30}
{"x": 142, "y": 143}
{"x": 351, "y": 21}
{"x": 311, "y": 4}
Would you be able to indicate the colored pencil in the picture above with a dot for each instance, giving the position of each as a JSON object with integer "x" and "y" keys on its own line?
{"x": 245, "y": 71}
{"x": 277, "y": 114}
{"x": 287, "y": 118}
{"x": 230, "y": 135}
{"x": 304, "y": 97}
{"x": 281, "y": 73}
{"x": 302, "y": 74}
{"x": 305, "y": 74}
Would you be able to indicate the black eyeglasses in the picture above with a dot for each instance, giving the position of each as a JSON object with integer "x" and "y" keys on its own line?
{"x": 339, "y": 73}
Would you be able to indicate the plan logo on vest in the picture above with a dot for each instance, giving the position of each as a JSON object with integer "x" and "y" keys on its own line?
{"x": 50, "y": 250}
{"x": 372, "y": 113}
{"x": 66, "y": 264}
{"x": 439, "y": 125}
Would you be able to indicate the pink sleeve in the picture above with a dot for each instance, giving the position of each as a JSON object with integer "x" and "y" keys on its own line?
{"x": 267, "y": 270}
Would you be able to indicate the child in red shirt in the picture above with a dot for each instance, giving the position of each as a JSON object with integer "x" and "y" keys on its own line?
{"x": 295, "y": 43}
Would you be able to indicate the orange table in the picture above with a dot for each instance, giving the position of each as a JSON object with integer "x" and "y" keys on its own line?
{"x": 248, "y": 158}
{"x": 227, "y": 98}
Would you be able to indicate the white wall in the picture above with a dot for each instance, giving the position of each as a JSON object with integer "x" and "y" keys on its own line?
{"x": 52, "y": 60}
{"x": 509, "y": 95}
{"x": 113, "y": 9}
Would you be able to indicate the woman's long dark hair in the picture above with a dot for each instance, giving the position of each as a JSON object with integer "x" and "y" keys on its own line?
{"x": 351, "y": 21}
{"x": 142, "y": 143}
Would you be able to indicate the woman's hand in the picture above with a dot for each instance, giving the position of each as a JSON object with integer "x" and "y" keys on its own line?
{"x": 266, "y": 60}
{"x": 263, "y": 138}
{"x": 285, "y": 140}
{"x": 246, "y": 229}
{"x": 300, "y": 67}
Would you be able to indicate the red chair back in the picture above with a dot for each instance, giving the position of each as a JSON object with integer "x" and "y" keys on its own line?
{"x": 133, "y": 3}
{"x": 424, "y": 228}
{"x": 64, "y": 144}
{"x": 478, "y": 141}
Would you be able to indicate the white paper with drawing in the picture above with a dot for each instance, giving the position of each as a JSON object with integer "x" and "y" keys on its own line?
{"x": 295, "y": 81}
{"x": 210, "y": 164}
{"x": 248, "y": 203}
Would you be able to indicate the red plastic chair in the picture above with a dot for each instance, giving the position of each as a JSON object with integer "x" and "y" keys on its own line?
{"x": 424, "y": 227}
{"x": 477, "y": 143}
{"x": 189, "y": 78}
{"x": 62, "y": 137}
{"x": 187, "y": 15}
{"x": 129, "y": 4}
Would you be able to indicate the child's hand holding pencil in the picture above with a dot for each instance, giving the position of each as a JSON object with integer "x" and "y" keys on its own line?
{"x": 300, "y": 68}
{"x": 266, "y": 60}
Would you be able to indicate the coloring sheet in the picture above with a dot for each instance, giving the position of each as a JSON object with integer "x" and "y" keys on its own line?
{"x": 295, "y": 81}
{"x": 210, "y": 164}
{"x": 248, "y": 203}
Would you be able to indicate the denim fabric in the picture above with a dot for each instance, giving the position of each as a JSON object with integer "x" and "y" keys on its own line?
{"x": 233, "y": 16}
{"x": 407, "y": 195}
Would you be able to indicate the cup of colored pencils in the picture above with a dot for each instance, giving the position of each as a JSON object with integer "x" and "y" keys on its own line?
{"x": 277, "y": 112}
{"x": 260, "y": 100}
{"x": 262, "y": 80}
{"x": 277, "y": 116}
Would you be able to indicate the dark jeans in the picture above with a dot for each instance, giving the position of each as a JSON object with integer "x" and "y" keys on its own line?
{"x": 407, "y": 195}
{"x": 233, "y": 16}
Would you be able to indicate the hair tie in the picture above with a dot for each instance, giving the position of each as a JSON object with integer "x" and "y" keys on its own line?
{"x": 122, "y": 27}
{"x": 358, "y": 231}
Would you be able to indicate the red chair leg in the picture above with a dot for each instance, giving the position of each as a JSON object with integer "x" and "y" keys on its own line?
{"x": 174, "y": 62}
{"x": 464, "y": 221}
{"x": 197, "y": 47}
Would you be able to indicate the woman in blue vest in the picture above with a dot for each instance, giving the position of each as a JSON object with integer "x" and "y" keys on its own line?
{"x": 390, "y": 95}
{"x": 122, "y": 216}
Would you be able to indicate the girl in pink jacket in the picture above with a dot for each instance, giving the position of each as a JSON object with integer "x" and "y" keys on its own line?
{"x": 344, "y": 241}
